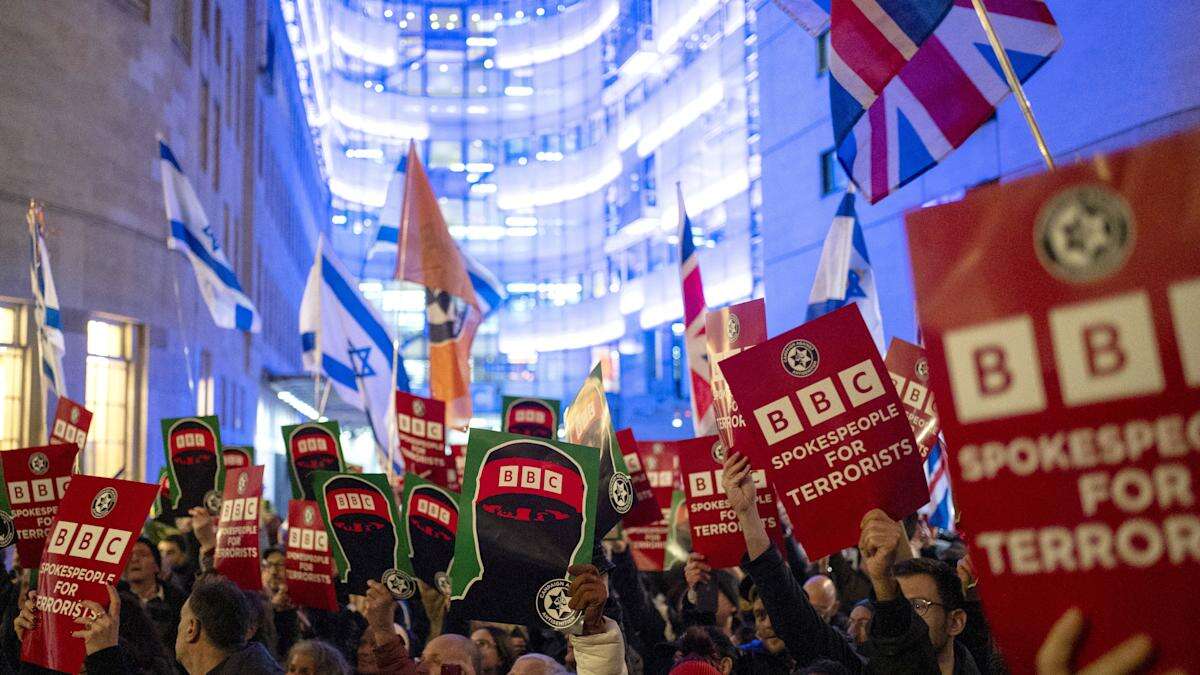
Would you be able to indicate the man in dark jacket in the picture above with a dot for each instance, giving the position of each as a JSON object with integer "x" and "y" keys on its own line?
{"x": 212, "y": 633}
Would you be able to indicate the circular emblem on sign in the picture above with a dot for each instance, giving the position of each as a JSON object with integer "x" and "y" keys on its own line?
{"x": 620, "y": 492}
{"x": 38, "y": 463}
{"x": 442, "y": 581}
{"x": 8, "y": 532}
{"x": 800, "y": 358}
{"x": 1084, "y": 233}
{"x": 74, "y": 415}
{"x": 309, "y": 515}
{"x": 212, "y": 501}
{"x": 733, "y": 328}
{"x": 104, "y": 502}
{"x": 243, "y": 481}
{"x": 922, "y": 369}
{"x": 399, "y": 584}
{"x": 419, "y": 408}
{"x": 551, "y": 604}
{"x": 718, "y": 452}
{"x": 658, "y": 447}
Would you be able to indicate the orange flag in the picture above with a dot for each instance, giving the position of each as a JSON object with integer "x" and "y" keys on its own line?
{"x": 429, "y": 256}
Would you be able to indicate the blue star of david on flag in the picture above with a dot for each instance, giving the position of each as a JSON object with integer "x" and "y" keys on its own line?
{"x": 844, "y": 274}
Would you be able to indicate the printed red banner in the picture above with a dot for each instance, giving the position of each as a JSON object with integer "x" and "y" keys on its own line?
{"x": 98, "y": 521}
{"x": 716, "y": 532}
{"x": 729, "y": 331}
{"x": 659, "y": 464}
{"x": 828, "y": 427}
{"x": 35, "y": 480}
{"x": 238, "y": 549}
{"x": 1061, "y": 314}
{"x": 646, "y": 510}
{"x": 908, "y": 367}
{"x": 421, "y": 433}
{"x": 237, "y": 456}
{"x": 308, "y": 563}
{"x": 71, "y": 423}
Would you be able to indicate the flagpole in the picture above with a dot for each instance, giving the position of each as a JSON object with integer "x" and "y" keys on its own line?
{"x": 187, "y": 352}
{"x": 32, "y": 216}
{"x": 393, "y": 432}
{"x": 1014, "y": 83}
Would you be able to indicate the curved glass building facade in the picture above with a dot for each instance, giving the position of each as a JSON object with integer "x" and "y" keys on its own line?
{"x": 555, "y": 135}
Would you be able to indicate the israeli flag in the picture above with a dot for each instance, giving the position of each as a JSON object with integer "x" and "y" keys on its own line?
{"x": 345, "y": 340}
{"x": 488, "y": 288}
{"x": 191, "y": 234}
{"x": 46, "y": 310}
{"x": 844, "y": 274}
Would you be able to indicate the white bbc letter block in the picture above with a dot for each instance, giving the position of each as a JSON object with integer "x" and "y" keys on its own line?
{"x": 1106, "y": 349}
{"x": 113, "y": 546}
{"x": 861, "y": 382}
{"x": 1185, "y": 314}
{"x": 778, "y": 420}
{"x": 820, "y": 401}
{"x": 994, "y": 370}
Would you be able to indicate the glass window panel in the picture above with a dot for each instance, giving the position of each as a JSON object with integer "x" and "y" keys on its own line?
{"x": 105, "y": 339}
{"x": 8, "y": 325}
{"x": 445, "y": 153}
{"x": 12, "y": 375}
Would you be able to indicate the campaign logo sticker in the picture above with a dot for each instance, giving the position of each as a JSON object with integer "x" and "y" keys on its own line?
{"x": 418, "y": 407}
{"x": 39, "y": 463}
{"x": 310, "y": 515}
{"x": 8, "y": 531}
{"x": 800, "y": 358}
{"x": 552, "y": 607}
{"x": 733, "y": 328}
{"x": 718, "y": 452}
{"x": 1084, "y": 233}
{"x": 243, "y": 481}
{"x": 442, "y": 581}
{"x": 399, "y": 584}
{"x": 104, "y": 502}
{"x": 921, "y": 368}
{"x": 212, "y": 502}
{"x": 620, "y": 492}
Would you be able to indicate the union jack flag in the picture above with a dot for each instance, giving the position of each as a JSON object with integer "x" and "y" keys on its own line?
{"x": 947, "y": 89}
{"x": 703, "y": 419}
{"x": 940, "y": 509}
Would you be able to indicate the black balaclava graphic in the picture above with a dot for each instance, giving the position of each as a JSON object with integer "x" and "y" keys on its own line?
{"x": 361, "y": 522}
{"x": 532, "y": 418}
{"x": 526, "y": 535}
{"x": 432, "y": 520}
{"x": 313, "y": 449}
{"x": 194, "y": 458}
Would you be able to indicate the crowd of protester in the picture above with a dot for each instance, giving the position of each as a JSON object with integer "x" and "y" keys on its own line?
{"x": 902, "y": 601}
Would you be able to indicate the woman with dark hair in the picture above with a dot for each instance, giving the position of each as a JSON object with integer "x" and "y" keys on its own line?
{"x": 314, "y": 657}
{"x": 704, "y": 649}
{"x": 496, "y": 650}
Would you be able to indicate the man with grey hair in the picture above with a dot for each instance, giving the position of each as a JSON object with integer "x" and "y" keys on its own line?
{"x": 537, "y": 664}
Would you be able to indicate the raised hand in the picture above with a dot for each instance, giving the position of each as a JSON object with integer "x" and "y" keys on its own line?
{"x": 1054, "y": 658}
{"x": 101, "y": 626}
{"x": 880, "y": 544}
{"x": 380, "y": 611}
{"x": 738, "y": 483}
{"x": 27, "y": 620}
{"x": 204, "y": 525}
{"x": 589, "y": 593}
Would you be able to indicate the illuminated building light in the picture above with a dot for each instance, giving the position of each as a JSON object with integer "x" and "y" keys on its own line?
{"x": 488, "y": 63}
{"x": 554, "y": 46}
{"x": 555, "y": 193}
{"x": 390, "y": 128}
{"x": 518, "y": 90}
{"x": 634, "y": 232}
{"x": 681, "y": 118}
{"x": 357, "y": 194}
{"x": 521, "y": 287}
{"x": 338, "y": 219}
{"x": 364, "y": 153}
{"x": 541, "y": 11}
{"x": 549, "y": 156}
{"x": 378, "y": 88}
{"x": 477, "y": 232}
{"x": 695, "y": 11}
{"x": 367, "y": 42}
{"x": 521, "y": 221}
{"x": 298, "y": 405}
{"x": 628, "y": 134}
{"x": 480, "y": 167}
{"x": 483, "y": 189}
{"x": 701, "y": 198}
{"x": 480, "y": 41}
{"x": 521, "y": 231}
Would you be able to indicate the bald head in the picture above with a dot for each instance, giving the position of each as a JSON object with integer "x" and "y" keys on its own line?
{"x": 823, "y": 596}
{"x": 537, "y": 664}
{"x": 455, "y": 650}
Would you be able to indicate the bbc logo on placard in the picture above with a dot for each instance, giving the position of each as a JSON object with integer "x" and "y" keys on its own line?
{"x": 913, "y": 394}
{"x": 242, "y": 508}
{"x": 308, "y": 539}
{"x": 421, "y": 428}
{"x": 820, "y": 402}
{"x": 189, "y": 439}
{"x": 88, "y": 542}
{"x": 1104, "y": 350}
{"x": 354, "y": 500}
{"x": 531, "y": 478}
{"x": 433, "y": 511}
{"x": 708, "y": 483}
{"x": 41, "y": 490}
{"x": 69, "y": 433}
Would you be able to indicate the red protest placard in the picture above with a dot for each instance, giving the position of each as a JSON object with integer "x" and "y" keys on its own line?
{"x": 421, "y": 433}
{"x": 237, "y": 456}
{"x": 237, "y": 531}
{"x": 715, "y": 529}
{"x": 646, "y": 510}
{"x": 98, "y": 521}
{"x": 824, "y": 421}
{"x": 308, "y": 563}
{"x": 35, "y": 480}
{"x": 729, "y": 331}
{"x": 908, "y": 367}
{"x": 71, "y": 423}
{"x": 1061, "y": 314}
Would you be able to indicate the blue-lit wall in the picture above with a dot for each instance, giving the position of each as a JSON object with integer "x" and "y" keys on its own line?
{"x": 1126, "y": 72}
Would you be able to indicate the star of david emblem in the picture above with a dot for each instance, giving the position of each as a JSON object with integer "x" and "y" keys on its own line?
{"x": 621, "y": 492}
{"x": 39, "y": 463}
{"x": 556, "y": 603}
{"x": 800, "y": 358}
{"x": 359, "y": 360}
{"x": 1084, "y": 233}
{"x": 854, "y": 285}
{"x": 552, "y": 604}
{"x": 104, "y": 502}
